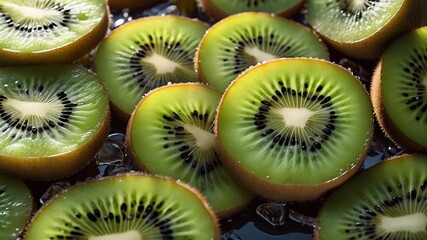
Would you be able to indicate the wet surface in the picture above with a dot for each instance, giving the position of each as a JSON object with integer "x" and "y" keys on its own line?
{"x": 262, "y": 219}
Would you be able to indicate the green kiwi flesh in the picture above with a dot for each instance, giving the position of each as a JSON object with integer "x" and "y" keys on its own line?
{"x": 222, "y": 8}
{"x": 350, "y": 20}
{"x": 38, "y": 26}
{"x": 171, "y": 133}
{"x": 130, "y": 207}
{"x": 291, "y": 129}
{"x": 387, "y": 201}
{"x": 403, "y": 86}
{"x": 16, "y": 206}
{"x": 145, "y": 54}
{"x": 363, "y": 28}
{"x": 243, "y": 40}
{"x": 52, "y": 117}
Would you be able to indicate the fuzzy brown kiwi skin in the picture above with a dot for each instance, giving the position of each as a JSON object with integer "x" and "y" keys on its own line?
{"x": 384, "y": 120}
{"x": 133, "y": 4}
{"x": 217, "y": 14}
{"x": 217, "y": 234}
{"x": 281, "y": 192}
{"x": 62, "y": 54}
{"x": 385, "y": 161}
{"x": 132, "y": 159}
{"x": 57, "y": 166}
{"x": 411, "y": 15}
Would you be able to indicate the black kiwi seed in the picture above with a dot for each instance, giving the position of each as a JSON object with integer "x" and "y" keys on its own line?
{"x": 261, "y": 122}
{"x": 46, "y": 27}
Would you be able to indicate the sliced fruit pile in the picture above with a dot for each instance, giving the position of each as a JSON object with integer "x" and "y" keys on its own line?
{"x": 215, "y": 112}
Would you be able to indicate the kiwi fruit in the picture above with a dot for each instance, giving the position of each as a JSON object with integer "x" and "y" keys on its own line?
{"x": 144, "y": 54}
{"x": 42, "y": 32}
{"x": 363, "y": 29}
{"x": 399, "y": 91}
{"x": 132, "y": 4}
{"x": 171, "y": 133}
{"x": 243, "y": 40}
{"x": 218, "y": 9}
{"x": 53, "y": 120}
{"x": 16, "y": 206}
{"x": 387, "y": 201}
{"x": 292, "y": 129}
{"x": 131, "y": 206}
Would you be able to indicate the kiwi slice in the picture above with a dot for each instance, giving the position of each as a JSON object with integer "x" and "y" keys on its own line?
{"x": 292, "y": 129}
{"x": 218, "y": 9}
{"x": 126, "y": 207}
{"x": 387, "y": 201}
{"x": 147, "y": 53}
{"x": 399, "y": 91}
{"x": 133, "y": 4}
{"x": 243, "y": 40}
{"x": 171, "y": 133}
{"x": 53, "y": 119}
{"x": 16, "y": 206}
{"x": 40, "y": 31}
{"x": 363, "y": 28}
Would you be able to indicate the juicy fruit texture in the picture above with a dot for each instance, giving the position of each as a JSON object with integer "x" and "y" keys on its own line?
{"x": 130, "y": 206}
{"x": 51, "y": 31}
{"x": 399, "y": 91}
{"x": 53, "y": 119}
{"x": 243, "y": 40}
{"x": 388, "y": 201}
{"x": 292, "y": 129}
{"x": 171, "y": 133}
{"x": 16, "y": 205}
{"x": 218, "y": 9}
{"x": 363, "y": 28}
{"x": 145, "y": 54}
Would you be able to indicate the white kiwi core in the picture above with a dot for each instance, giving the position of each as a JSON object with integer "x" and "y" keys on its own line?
{"x": 40, "y": 109}
{"x": 131, "y": 235}
{"x": 295, "y": 117}
{"x": 162, "y": 64}
{"x": 204, "y": 139}
{"x": 410, "y": 223}
{"x": 259, "y": 55}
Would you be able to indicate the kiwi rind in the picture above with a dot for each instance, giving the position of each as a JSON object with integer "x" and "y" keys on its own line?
{"x": 57, "y": 166}
{"x": 67, "y": 53}
{"x": 243, "y": 196}
{"x": 387, "y": 124}
{"x": 215, "y": 13}
{"x": 283, "y": 191}
{"x": 17, "y": 207}
{"x": 123, "y": 177}
{"x": 411, "y": 15}
{"x": 208, "y": 52}
{"x": 382, "y": 171}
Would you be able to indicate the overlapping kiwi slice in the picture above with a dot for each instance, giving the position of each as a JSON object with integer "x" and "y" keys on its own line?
{"x": 363, "y": 28}
{"x": 126, "y": 207}
{"x": 147, "y": 53}
{"x": 291, "y": 129}
{"x": 16, "y": 206}
{"x": 171, "y": 133}
{"x": 218, "y": 9}
{"x": 53, "y": 119}
{"x": 243, "y": 40}
{"x": 399, "y": 91}
{"x": 388, "y": 201}
{"x": 49, "y": 31}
